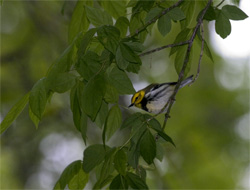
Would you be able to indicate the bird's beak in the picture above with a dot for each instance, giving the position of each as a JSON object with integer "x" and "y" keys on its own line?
{"x": 131, "y": 105}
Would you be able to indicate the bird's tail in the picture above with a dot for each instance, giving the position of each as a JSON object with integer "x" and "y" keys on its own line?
{"x": 186, "y": 81}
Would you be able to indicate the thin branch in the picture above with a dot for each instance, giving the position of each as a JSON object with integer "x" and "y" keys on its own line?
{"x": 165, "y": 11}
{"x": 201, "y": 53}
{"x": 219, "y": 3}
{"x": 163, "y": 47}
{"x": 181, "y": 75}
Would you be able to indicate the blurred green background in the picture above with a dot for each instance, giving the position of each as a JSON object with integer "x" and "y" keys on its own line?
{"x": 209, "y": 121}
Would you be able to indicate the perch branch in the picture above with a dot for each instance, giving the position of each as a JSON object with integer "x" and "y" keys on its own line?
{"x": 169, "y": 104}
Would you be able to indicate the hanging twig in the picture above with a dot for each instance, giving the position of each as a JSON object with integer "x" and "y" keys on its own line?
{"x": 169, "y": 104}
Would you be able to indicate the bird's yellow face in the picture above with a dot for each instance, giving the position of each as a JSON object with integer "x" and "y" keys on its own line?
{"x": 137, "y": 98}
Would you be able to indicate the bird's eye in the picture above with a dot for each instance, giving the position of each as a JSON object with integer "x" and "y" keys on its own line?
{"x": 136, "y": 98}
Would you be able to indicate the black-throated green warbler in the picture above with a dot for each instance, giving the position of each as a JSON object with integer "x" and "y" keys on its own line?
{"x": 155, "y": 96}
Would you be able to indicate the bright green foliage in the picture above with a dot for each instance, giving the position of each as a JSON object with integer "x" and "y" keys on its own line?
{"x": 73, "y": 176}
{"x": 94, "y": 68}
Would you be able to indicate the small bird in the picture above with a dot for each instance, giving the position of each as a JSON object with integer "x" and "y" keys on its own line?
{"x": 155, "y": 96}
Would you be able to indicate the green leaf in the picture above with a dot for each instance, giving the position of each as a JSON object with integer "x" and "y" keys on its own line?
{"x": 61, "y": 82}
{"x": 148, "y": 147}
{"x": 113, "y": 122}
{"x": 109, "y": 37}
{"x": 102, "y": 114}
{"x": 73, "y": 176}
{"x": 120, "y": 80}
{"x": 88, "y": 65}
{"x": 206, "y": 48}
{"x": 222, "y": 25}
{"x": 34, "y": 118}
{"x": 184, "y": 35}
{"x": 92, "y": 96}
{"x": 79, "y": 21}
{"x": 111, "y": 95}
{"x": 135, "y": 46}
{"x": 134, "y": 68}
{"x": 115, "y": 8}
{"x": 120, "y": 162}
{"x": 93, "y": 156}
{"x": 159, "y": 151}
{"x": 141, "y": 172}
{"x": 164, "y": 25}
{"x": 14, "y": 112}
{"x": 179, "y": 60}
{"x": 80, "y": 118}
{"x": 118, "y": 182}
{"x": 233, "y": 12}
{"x": 97, "y": 17}
{"x": 107, "y": 169}
{"x": 188, "y": 7}
{"x": 133, "y": 120}
{"x": 133, "y": 155}
{"x": 122, "y": 24}
{"x": 210, "y": 14}
{"x": 121, "y": 62}
{"x": 152, "y": 14}
{"x": 38, "y": 98}
{"x": 83, "y": 42}
{"x": 135, "y": 181}
{"x": 176, "y": 14}
{"x": 162, "y": 134}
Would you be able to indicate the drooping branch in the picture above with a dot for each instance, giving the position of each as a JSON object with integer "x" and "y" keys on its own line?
{"x": 165, "y": 11}
{"x": 169, "y": 104}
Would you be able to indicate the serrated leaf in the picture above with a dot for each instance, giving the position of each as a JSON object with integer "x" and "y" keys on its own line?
{"x": 120, "y": 162}
{"x": 93, "y": 94}
{"x": 148, "y": 147}
{"x": 97, "y": 17}
{"x": 120, "y": 80}
{"x": 122, "y": 24}
{"x": 164, "y": 25}
{"x": 152, "y": 14}
{"x": 233, "y": 12}
{"x": 109, "y": 37}
{"x": 222, "y": 25}
{"x": 38, "y": 98}
{"x": 79, "y": 21}
{"x": 118, "y": 182}
{"x": 113, "y": 122}
{"x": 61, "y": 82}
{"x": 88, "y": 65}
{"x": 115, "y": 8}
{"x": 176, "y": 14}
{"x": 14, "y": 112}
{"x": 93, "y": 156}
{"x": 73, "y": 176}
{"x": 135, "y": 181}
